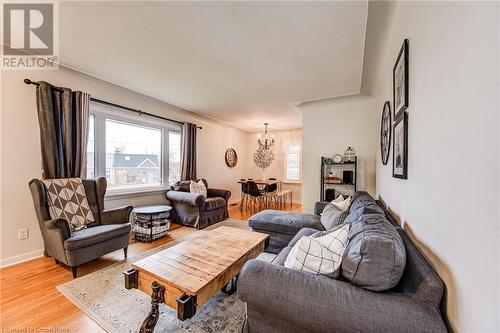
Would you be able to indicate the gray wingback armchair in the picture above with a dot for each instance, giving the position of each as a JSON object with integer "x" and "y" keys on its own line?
{"x": 108, "y": 233}
{"x": 193, "y": 209}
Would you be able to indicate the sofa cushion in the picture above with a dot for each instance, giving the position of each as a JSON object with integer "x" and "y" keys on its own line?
{"x": 333, "y": 216}
{"x": 282, "y": 255}
{"x": 360, "y": 199}
{"x": 198, "y": 188}
{"x": 214, "y": 203}
{"x": 303, "y": 232}
{"x": 183, "y": 185}
{"x": 90, "y": 236}
{"x": 319, "y": 255}
{"x": 375, "y": 257}
{"x": 341, "y": 203}
{"x": 284, "y": 222}
{"x": 67, "y": 199}
{"x": 369, "y": 208}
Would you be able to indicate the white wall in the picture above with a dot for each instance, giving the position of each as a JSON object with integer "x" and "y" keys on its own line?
{"x": 450, "y": 202}
{"x": 277, "y": 168}
{"x": 329, "y": 127}
{"x": 21, "y": 161}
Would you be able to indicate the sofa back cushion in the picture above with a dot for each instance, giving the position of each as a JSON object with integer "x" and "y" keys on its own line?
{"x": 375, "y": 257}
{"x": 419, "y": 280}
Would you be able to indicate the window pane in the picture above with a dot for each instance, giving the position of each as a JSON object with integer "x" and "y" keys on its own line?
{"x": 293, "y": 162}
{"x": 174, "y": 157}
{"x": 91, "y": 149}
{"x": 133, "y": 155}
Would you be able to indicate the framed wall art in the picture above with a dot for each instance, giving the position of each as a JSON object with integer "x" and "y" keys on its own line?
{"x": 400, "y": 149}
{"x": 400, "y": 81}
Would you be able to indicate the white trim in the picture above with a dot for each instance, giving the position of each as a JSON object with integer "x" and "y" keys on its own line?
{"x": 147, "y": 159}
{"x": 129, "y": 193}
{"x": 14, "y": 260}
{"x": 295, "y": 182}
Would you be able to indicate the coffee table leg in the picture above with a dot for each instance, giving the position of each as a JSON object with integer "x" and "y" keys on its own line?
{"x": 231, "y": 286}
{"x": 186, "y": 307}
{"x": 157, "y": 297}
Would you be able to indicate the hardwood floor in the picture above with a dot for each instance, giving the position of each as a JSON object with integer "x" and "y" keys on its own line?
{"x": 29, "y": 298}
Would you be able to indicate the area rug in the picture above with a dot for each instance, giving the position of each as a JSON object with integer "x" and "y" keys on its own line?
{"x": 102, "y": 296}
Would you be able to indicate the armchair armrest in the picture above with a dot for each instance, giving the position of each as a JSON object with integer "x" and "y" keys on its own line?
{"x": 189, "y": 198}
{"x": 216, "y": 192}
{"x": 330, "y": 305}
{"x": 60, "y": 227}
{"x": 116, "y": 215}
{"x": 319, "y": 206}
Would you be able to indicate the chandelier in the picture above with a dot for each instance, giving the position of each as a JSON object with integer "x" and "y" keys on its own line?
{"x": 265, "y": 142}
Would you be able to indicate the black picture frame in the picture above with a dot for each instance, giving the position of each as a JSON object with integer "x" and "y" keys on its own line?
{"x": 385, "y": 132}
{"x": 400, "y": 75}
{"x": 400, "y": 147}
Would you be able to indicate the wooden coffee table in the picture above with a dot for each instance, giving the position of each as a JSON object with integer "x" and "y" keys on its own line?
{"x": 187, "y": 275}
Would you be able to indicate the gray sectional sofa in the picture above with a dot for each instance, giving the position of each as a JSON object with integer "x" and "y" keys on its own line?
{"x": 396, "y": 291}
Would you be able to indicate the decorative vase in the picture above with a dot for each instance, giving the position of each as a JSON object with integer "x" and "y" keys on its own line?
{"x": 349, "y": 154}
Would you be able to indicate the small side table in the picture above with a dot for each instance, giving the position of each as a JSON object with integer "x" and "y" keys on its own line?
{"x": 151, "y": 222}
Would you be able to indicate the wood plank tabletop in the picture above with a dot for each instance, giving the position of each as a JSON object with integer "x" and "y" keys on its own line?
{"x": 210, "y": 258}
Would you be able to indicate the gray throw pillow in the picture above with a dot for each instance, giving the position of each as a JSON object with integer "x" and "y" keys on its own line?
{"x": 375, "y": 258}
{"x": 332, "y": 216}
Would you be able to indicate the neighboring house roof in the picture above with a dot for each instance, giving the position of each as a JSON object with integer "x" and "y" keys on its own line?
{"x": 135, "y": 161}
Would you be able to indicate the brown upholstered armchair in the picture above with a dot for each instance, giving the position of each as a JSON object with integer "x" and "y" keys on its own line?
{"x": 193, "y": 209}
{"x": 109, "y": 232}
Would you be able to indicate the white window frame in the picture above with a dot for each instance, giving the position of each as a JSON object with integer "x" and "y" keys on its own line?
{"x": 287, "y": 146}
{"x": 103, "y": 112}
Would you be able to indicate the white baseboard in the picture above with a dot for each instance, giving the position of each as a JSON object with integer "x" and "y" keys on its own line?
{"x": 20, "y": 258}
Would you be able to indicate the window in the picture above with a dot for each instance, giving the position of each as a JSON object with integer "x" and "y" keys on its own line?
{"x": 133, "y": 153}
{"x": 293, "y": 162}
{"x": 174, "y": 157}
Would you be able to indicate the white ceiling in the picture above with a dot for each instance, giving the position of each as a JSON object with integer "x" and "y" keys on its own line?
{"x": 244, "y": 63}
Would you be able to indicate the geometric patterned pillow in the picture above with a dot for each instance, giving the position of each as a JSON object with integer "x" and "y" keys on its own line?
{"x": 67, "y": 199}
{"x": 321, "y": 255}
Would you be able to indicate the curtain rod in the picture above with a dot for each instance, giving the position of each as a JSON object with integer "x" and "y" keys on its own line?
{"x": 100, "y": 101}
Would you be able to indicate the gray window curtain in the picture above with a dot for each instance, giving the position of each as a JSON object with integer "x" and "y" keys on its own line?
{"x": 63, "y": 118}
{"x": 188, "y": 165}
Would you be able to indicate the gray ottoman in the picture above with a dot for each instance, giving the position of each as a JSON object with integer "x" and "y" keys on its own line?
{"x": 282, "y": 226}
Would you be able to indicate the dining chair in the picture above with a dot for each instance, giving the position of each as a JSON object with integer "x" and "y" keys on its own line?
{"x": 272, "y": 193}
{"x": 255, "y": 195}
{"x": 244, "y": 192}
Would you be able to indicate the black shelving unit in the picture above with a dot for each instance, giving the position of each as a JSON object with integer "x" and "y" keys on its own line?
{"x": 327, "y": 165}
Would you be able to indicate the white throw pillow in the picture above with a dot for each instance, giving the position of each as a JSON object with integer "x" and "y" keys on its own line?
{"x": 321, "y": 255}
{"x": 198, "y": 188}
{"x": 340, "y": 198}
{"x": 342, "y": 205}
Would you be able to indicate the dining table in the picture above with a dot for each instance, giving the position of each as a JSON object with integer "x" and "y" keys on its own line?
{"x": 263, "y": 185}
